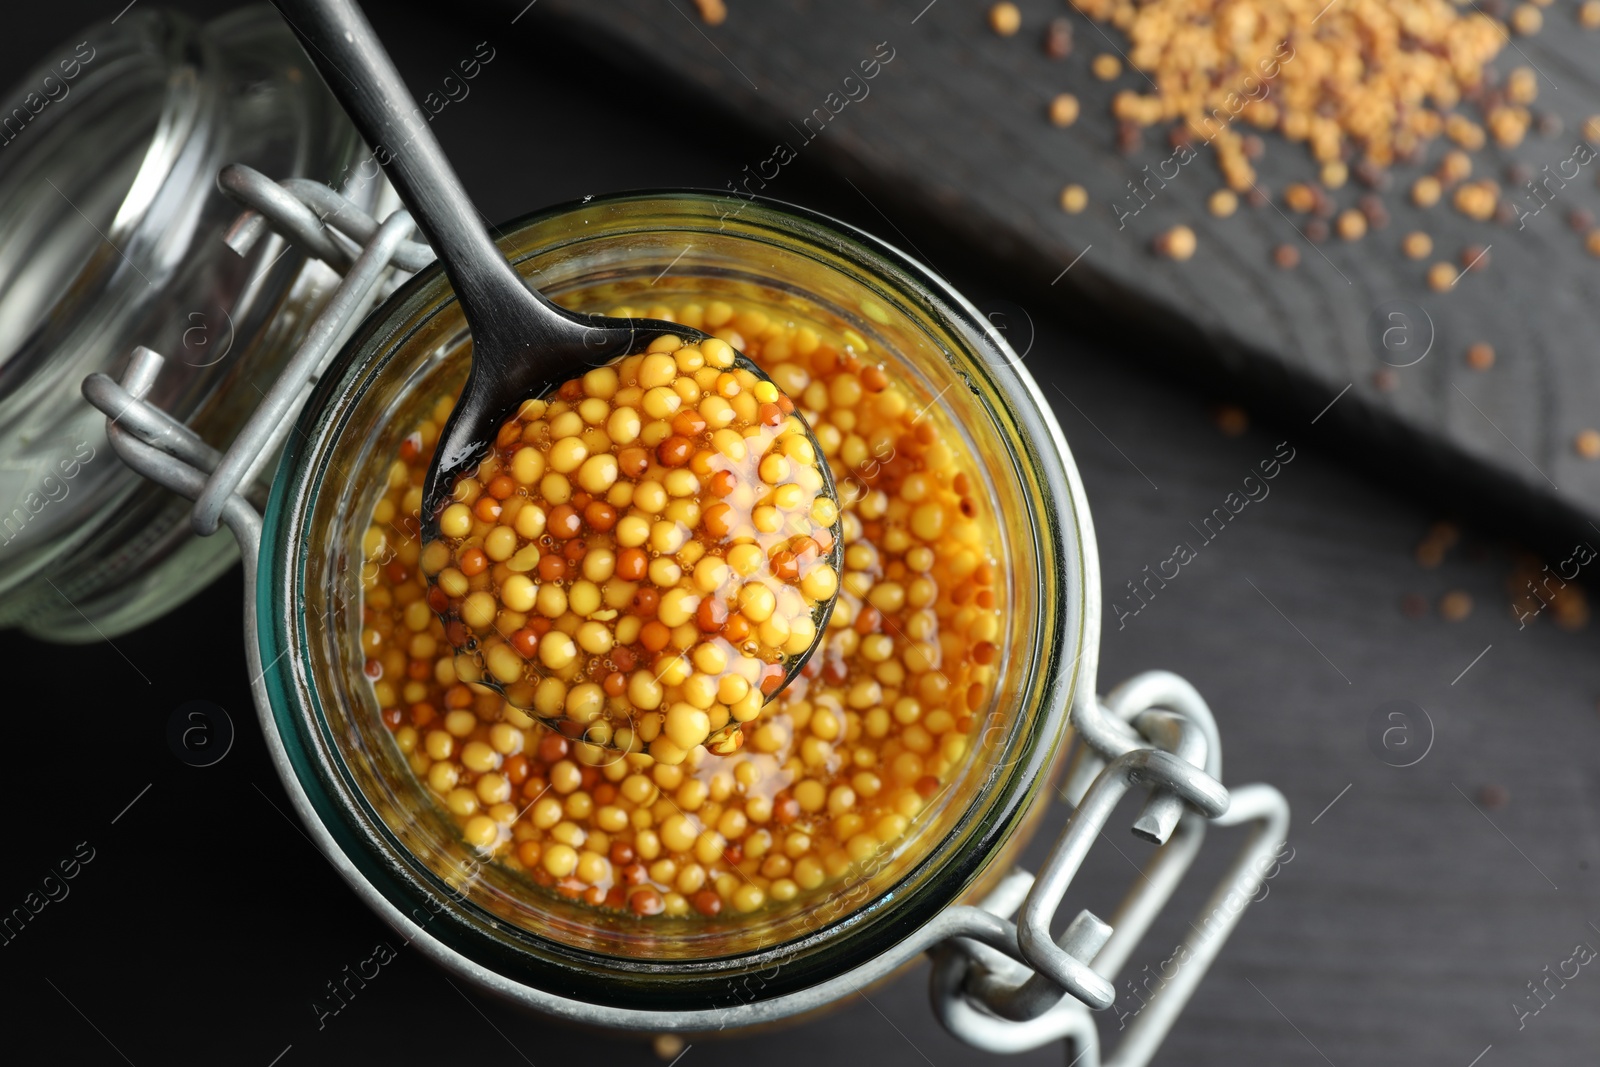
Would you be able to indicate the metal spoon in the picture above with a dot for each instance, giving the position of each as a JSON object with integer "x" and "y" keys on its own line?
{"x": 523, "y": 346}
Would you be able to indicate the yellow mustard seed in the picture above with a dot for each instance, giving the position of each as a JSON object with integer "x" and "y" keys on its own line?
{"x": 1005, "y": 19}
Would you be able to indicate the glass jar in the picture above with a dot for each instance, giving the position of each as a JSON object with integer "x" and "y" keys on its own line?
{"x": 113, "y": 233}
{"x": 406, "y": 857}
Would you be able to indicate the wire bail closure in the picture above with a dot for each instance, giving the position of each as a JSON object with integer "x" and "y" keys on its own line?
{"x": 1153, "y": 730}
{"x": 1000, "y": 985}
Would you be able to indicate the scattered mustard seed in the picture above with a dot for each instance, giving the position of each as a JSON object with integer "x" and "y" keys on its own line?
{"x": 1589, "y": 15}
{"x": 1592, "y": 242}
{"x": 1353, "y": 82}
{"x": 1064, "y": 110}
{"x": 1106, "y": 66}
{"x": 1526, "y": 20}
{"x": 1335, "y": 174}
{"x": 1455, "y": 167}
{"x": 1233, "y": 421}
{"x": 1287, "y": 257}
{"x": 1455, "y": 606}
{"x": 1480, "y": 356}
{"x": 1005, "y": 19}
{"x": 1352, "y": 225}
{"x": 1477, "y": 200}
{"x": 1177, "y": 243}
{"x": 712, "y": 12}
{"x": 1587, "y": 444}
{"x": 1425, "y": 191}
{"x": 1509, "y": 125}
{"x": 1223, "y": 202}
{"x": 1074, "y": 198}
{"x": 1464, "y": 132}
{"x": 1522, "y": 86}
{"x": 1417, "y": 245}
{"x": 1441, "y": 276}
{"x": 1058, "y": 39}
{"x": 1300, "y": 197}
{"x": 1474, "y": 258}
{"x": 667, "y": 1046}
{"x": 1591, "y": 128}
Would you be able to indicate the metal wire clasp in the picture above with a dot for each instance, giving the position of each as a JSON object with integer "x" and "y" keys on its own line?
{"x": 326, "y": 225}
{"x": 1154, "y": 731}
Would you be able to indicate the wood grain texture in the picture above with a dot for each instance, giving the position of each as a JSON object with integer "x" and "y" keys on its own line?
{"x": 954, "y": 131}
{"x": 1399, "y": 934}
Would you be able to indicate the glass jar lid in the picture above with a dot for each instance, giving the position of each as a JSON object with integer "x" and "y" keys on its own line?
{"x": 112, "y": 235}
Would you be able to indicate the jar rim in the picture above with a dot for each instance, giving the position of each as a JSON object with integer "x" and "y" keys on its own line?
{"x": 855, "y": 939}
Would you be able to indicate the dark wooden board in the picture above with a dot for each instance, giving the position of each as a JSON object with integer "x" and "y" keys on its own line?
{"x": 953, "y": 131}
{"x": 1398, "y": 935}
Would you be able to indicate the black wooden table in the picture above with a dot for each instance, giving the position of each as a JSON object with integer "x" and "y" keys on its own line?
{"x": 1419, "y": 902}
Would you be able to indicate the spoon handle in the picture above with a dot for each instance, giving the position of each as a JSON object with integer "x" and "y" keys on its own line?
{"x": 347, "y": 53}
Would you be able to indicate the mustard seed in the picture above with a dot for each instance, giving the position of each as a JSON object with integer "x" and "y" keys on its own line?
{"x": 1074, "y": 198}
{"x": 1005, "y": 19}
{"x": 1064, "y": 110}
{"x": 1417, "y": 245}
{"x": 1480, "y": 356}
{"x": 1587, "y": 444}
{"x": 1177, "y": 243}
{"x": 1058, "y": 38}
{"x": 1106, "y": 66}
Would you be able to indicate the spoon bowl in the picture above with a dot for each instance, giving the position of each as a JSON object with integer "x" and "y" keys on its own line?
{"x": 523, "y": 346}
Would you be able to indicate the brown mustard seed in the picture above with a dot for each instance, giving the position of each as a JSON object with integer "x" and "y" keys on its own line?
{"x": 1300, "y": 197}
{"x": 1177, "y": 243}
{"x": 1074, "y": 198}
{"x": 1352, "y": 225}
{"x": 1064, "y": 110}
{"x": 1587, "y": 444}
{"x": 1222, "y": 203}
{"x": 1480, "y": 356}
{"x": 1475, "y": 258}
{"x": 1494, "y": 797}
{"x": 1416, "y": 245}
{"x": 1058, "y": 39}
{"x": 1413, "y": 605}
{"x": 1005, "y": 19}
{"x": 1385, "y": 380}
{"x": 1286, "y": 257}
{"x": 1233, "y": 421}
{"x": 1106, "y": 66}
{"x": 1455, "y": 606}
{"x": 1441, "y": 276}
{"x": 1316, "y": 231}
{"x": 1372, "y": 206}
